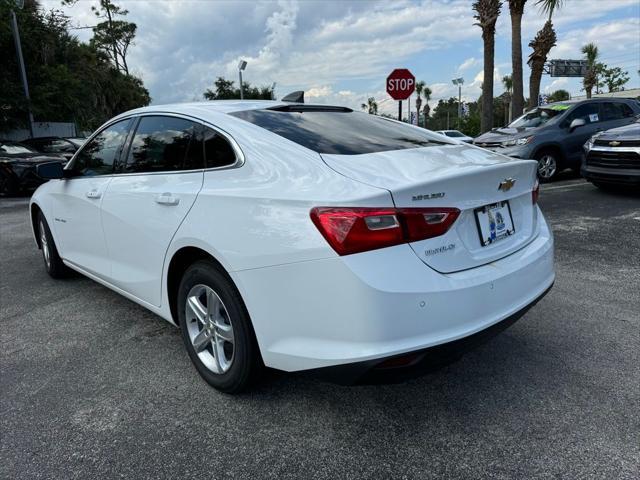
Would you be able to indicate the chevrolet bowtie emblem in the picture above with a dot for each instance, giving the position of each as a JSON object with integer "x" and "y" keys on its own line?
{"x": 506, "y": 184}
{"x": 614, "y": 144}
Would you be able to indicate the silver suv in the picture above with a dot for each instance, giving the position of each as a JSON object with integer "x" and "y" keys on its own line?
{"x": 554, "y": 134}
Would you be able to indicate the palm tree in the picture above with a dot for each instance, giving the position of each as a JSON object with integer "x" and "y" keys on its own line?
{"x": 542, "y": 44}
{"x": 487, "y": 12}
{"x": 419, "y": 88}
{"x": 590, "y": 50}
{"x": 507, "y": 83}
{"x": 427, "y": 96}
{"x": 516, "y": 9}
{"x": 371, "y": 106}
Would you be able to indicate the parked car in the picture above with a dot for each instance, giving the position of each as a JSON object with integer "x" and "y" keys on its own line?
{"x": 554, "y": 134}
{"x": 300, "y": 237}
{"x": 64, "y": 147}
{"x": 456, "y": 134}
{"x": 613, "y": 157}
{"x": 18, "y": 167}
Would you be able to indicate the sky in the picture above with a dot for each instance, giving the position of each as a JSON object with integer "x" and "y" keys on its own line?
{"x": 340, "y": 52}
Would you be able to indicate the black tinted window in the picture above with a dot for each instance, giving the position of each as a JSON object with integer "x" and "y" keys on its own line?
{"x": 615, "y": 111}
{"x": 98, "y": 156}
{"x": 339, "y": 132}
{"x": 164, "y": 144}
{"x": 218, "y": 151}
{"x": 587, "y": 112}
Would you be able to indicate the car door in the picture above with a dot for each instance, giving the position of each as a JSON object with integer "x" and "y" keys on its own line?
{"x": 615, "y": 114}
{"x": 77, "y": 201}
{"x": 574, "y": 140}
{"x": 148, "y": 198}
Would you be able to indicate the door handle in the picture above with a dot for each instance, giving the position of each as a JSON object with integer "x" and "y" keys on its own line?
{"x": 93, "y": 194}
{"x": 167, "y": 199}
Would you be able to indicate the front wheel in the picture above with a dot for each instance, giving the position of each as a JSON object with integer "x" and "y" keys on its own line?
{"x": 547, "y": 166}
{"x": 216, "y": 329}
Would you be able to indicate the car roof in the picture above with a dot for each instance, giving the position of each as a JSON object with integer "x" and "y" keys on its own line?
{"x": 585, "y": 100}
{"x": 218, "y": 106}
{"x": 213, "y": 110}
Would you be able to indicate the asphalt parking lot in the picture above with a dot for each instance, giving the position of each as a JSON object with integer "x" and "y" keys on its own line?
{"x": 94, "y": 386}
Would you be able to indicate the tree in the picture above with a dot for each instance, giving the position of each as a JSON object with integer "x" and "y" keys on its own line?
{"x": 225, "y": 90}
{"x": 507, "y": 83}
{"x": 614, "y": 78}
{"x": 111, "y": 35}
{"x": 69, "y": 81}
{"x": 542, "y": 44}
{"x": 371, "y": 106}
{"x": 516, "y": 10}
{"x": 419, "y": 88}
{"x": 426, "y": 91}
{"x": 558, "y": 96}
{"x": 445, "y": 112}
{"x": 590, "y": 51}
{"x": 487, "y": 12}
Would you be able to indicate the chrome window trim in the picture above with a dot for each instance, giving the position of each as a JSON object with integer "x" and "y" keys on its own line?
{"x": 604, "y": 148}
{"x": 240, "y": 157}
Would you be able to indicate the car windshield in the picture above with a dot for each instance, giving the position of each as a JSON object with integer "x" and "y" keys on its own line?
{"x": 454, "y": 133}
{"x": 14, "y": 149}
{"x": 78, "y": 142}
{"x": 539, "y": 116}
{"x": 337, "y": 130}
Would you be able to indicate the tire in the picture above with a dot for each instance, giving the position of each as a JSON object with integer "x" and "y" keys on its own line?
{"x": 548, "y": 165}
{"x": 52, "y": 261}
{"x": 219, "y": 340}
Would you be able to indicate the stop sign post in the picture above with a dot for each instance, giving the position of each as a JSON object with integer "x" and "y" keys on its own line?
{"x": 400, "y": 85}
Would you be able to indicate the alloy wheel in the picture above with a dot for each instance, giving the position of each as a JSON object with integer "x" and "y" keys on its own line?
{"x": 547, "y": 167}
{"x": 45, "y": 246}
{"x": 210, "y": 329}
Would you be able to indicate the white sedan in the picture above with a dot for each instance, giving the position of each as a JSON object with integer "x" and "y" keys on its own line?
{"x": 458, "y": 135}
{"x": 299, "y": 237}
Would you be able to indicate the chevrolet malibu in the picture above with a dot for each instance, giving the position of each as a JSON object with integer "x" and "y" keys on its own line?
{"x": 299, "y": 237}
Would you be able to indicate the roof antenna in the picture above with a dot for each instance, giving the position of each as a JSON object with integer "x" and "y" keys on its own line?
{"x": 295, "y": 97}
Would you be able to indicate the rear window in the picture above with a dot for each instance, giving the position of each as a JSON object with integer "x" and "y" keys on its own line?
{"x": 338, "y": 131}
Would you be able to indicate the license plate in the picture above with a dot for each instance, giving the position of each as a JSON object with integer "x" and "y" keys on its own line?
{"x": 494, "y": 222}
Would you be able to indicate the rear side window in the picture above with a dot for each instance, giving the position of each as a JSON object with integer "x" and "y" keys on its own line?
{"x": 98, "y": 156}
{"x": 338, "y": 131}
{"x": 165, "y": 144}
{"x": 615, "y": 111}
{"x": 218, "y": 151}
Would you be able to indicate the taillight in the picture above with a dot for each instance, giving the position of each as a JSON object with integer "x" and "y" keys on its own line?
{"x": 535, "y": 193}
{"x": 358, "y": 229}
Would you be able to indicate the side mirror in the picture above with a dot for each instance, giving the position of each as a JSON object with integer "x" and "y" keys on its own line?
{"x": 50, "y": 170}
{"x": 577, "y": 122}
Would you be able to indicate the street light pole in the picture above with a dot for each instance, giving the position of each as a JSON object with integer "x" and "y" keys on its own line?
{"x": 459, "y": 82}
{"x": 241, "y": 66}
{"x": 23, "y": 71}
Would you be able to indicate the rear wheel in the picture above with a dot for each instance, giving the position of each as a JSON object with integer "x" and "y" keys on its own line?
{"x": 52, "y": 261}
{"x": 547, "y": 165}
{"x": 216, "y": 329}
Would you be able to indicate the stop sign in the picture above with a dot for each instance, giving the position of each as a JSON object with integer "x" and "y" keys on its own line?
{"x": 400, "y": 84}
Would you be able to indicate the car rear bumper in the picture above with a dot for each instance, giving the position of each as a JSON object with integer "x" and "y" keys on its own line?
{"x": 408, "y": 365}
{"x": 385, "y": 303}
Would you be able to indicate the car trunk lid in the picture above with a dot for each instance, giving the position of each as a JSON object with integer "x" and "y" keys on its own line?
{"x": 462, "y": 177}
